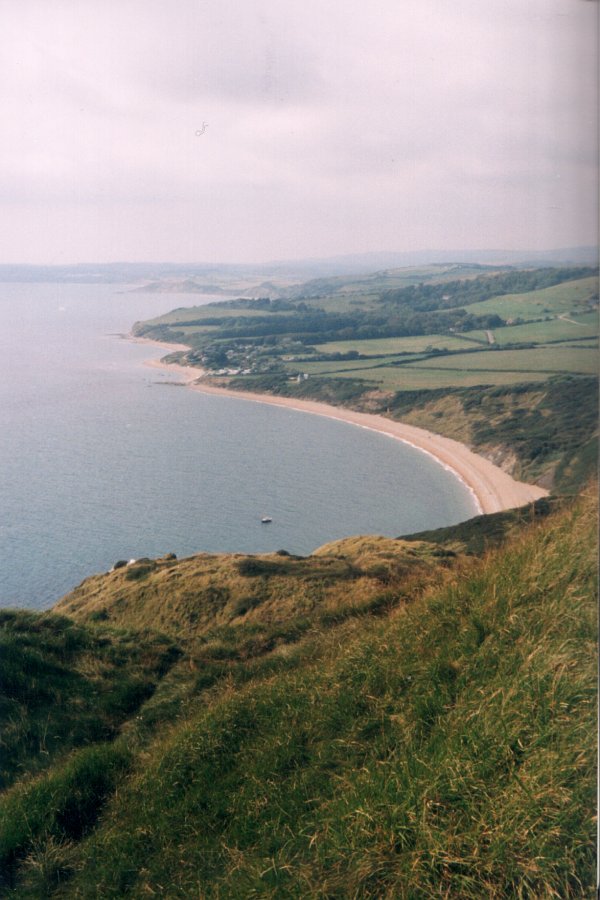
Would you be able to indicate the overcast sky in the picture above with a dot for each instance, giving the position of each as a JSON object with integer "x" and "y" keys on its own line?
{"x": 252, "y": 130}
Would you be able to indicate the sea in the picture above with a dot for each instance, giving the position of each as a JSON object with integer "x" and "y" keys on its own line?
{"x": 103, "y": 458}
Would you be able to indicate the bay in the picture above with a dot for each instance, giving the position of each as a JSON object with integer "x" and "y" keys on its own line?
{"x": 103, "y": 458}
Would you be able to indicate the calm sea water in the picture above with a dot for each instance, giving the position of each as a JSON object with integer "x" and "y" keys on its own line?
{"x": 102, "y": 459}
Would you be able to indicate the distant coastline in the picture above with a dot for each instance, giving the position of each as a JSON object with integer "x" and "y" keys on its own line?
{"x": 493, "y": 489}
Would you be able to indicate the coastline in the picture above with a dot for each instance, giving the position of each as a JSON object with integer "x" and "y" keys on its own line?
{"x": 493, "y": 489}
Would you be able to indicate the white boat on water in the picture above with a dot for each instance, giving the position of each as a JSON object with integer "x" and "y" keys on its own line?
{"x": 266, "y": 519}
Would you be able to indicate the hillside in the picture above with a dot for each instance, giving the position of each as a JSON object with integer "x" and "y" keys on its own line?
{"x": 381, "y": 719}
{"x": 195, "y": 597}
{"x": 505, "y": 360}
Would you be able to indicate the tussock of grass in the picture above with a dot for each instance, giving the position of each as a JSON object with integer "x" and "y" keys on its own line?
{"x": 444, "y": 751}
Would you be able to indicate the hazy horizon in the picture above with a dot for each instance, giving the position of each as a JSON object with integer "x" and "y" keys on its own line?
{"x": 254, "y": 133}
{"x": 433, "y": 256}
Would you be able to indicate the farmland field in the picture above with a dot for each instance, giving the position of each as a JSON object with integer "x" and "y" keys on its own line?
{"x": 583, "y": 345}
{"x": 554, "y": 359}
{"x": 561, "y": 298}
{"x": 490, "y": 367}
{"x": 390, "y": 346}
{"x": 558, "y": 329}
{"x": 357, "y": 366}
{"x": 409, "y": 378}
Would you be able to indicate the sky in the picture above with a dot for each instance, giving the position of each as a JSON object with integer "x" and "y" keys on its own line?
{"x": 255, "y": 130}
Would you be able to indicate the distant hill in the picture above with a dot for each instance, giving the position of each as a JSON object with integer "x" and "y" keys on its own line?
{"x": 368, "y": 262}
{"x": 295, "y": 269}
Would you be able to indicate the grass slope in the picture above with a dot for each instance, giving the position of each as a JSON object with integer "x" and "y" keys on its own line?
{"x": 481, "y": 533}
{"x": 235, "y": 606}
{"x": 568, "y": 297}
{"x": 545, "y": 433}
{"x": 442, "y": 749}
{"x": 65, "y": 685}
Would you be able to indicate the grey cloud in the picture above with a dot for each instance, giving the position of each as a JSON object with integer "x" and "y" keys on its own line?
{"x": 329, "y": 128}
{"x": 234, "y": 52}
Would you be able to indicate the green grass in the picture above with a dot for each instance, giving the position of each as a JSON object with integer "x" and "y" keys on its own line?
{"x": 356, "y": 367}
{"x": 534, "y": 332}
{"x": 561, "y": 298}
{"x": 551, "y": 360}
{"x": 481, "y": 533}
{"x": 444, "y": 752}
{"x": 552, "y": 330}
{"x": 391, "y": 346}
{"x": 61, "y": 806}
{"x": 434, "y": 737}
{"x": 491, "y": 367}
{"x": 488, "y": 367}
{"x": 180, "y": 316}
{"x": 66, "y": 685}
{"x": 222, "y": 597}
{"x": 410, "y": 378}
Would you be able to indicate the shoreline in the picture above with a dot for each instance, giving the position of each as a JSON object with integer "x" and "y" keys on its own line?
{"x": 492, "y": 489}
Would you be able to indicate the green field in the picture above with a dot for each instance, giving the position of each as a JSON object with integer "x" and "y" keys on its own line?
{"x": 561, "y": 324}
{"x": 491, "y": 367}
{"x": 354, "y": 366}
{"x": 390, "y": 346}
{"x": 193, "y": 313}
{"x": 561, "y": 298}
{"x": 552, "y": 330}
{"x": 583, "y": 345}
{"x": 555, "y": 359}
{"x": 409, "y": 378}
{"x": 494, "y": 367}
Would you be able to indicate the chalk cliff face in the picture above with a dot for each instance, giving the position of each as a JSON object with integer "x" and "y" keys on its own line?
{"x": 384, "y": 718}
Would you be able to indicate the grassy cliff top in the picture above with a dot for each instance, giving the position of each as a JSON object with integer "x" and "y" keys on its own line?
{"x": 192, "y": 599}
{"x": 433, "y": 737}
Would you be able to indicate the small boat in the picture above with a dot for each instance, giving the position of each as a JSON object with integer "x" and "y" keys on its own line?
{"x": 266, "y": 519}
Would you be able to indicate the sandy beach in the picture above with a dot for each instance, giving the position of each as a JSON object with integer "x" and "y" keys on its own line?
{"x": 493, "y": 489}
